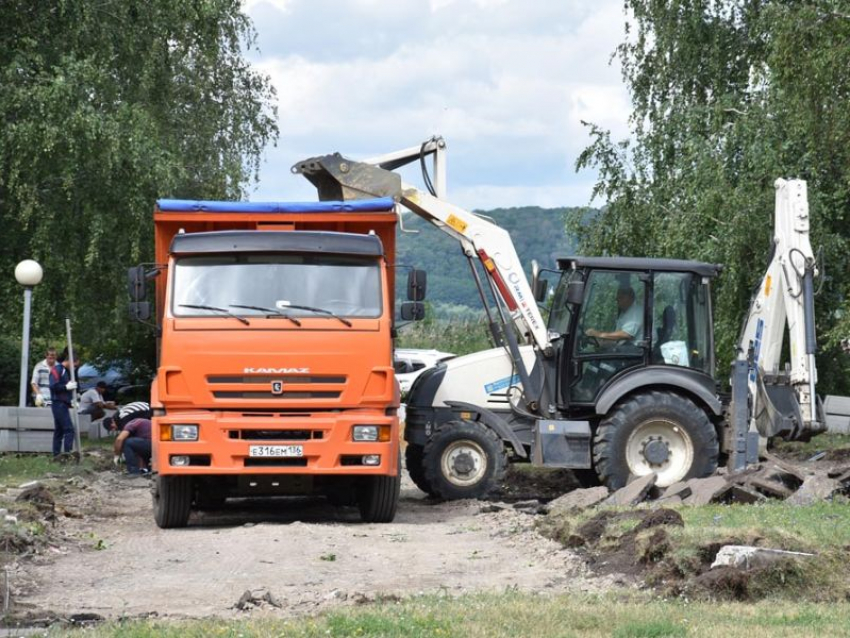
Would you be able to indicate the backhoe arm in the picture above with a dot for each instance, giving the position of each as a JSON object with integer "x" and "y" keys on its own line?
{"x": 338, "y": 178}
{"x": 784, "y": 404}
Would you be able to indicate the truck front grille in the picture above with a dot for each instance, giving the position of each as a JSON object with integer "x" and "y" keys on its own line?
{"x": 277, "y": 388}
{"x": 268, "y": 395}
{"x": 276, "y": 435}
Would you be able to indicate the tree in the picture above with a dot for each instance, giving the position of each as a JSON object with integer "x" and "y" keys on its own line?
{"x": 727, "y": 96}
{"x": 105, "y": 107}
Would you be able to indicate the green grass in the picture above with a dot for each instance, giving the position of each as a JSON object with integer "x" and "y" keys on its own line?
{"x": 821, "y": 443}
{"x": 20, "y": 468}
{"x": 817, "y": 527}
{"x": 517, "y": 614}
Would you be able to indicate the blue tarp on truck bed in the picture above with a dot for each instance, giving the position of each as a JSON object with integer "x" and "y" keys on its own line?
{"x": 378, "y": 204}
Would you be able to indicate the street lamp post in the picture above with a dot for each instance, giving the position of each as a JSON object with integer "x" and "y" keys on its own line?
{"x": 29, "y": 274}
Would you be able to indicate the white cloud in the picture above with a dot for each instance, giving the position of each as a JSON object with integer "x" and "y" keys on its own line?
{"x": 506, "y": 82}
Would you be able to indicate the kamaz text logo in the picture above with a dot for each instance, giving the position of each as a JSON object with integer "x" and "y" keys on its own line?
{"x": 277, "y": 371}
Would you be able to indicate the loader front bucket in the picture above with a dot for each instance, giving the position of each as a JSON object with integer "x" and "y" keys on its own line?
{"x": 339, "y": 179}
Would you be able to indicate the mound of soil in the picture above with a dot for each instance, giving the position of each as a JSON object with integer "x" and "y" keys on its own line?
{"x": 524, "y": 483}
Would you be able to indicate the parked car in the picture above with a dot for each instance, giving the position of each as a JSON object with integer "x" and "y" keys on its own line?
{"x": 409, "y": 363}
{"x": 123, "y": 383}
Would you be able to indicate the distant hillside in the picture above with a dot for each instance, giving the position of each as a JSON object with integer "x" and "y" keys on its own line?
{"x": 537, "y": 233}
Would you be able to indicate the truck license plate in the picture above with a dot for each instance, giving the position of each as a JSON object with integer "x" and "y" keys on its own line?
{"x": 276, "y": 450}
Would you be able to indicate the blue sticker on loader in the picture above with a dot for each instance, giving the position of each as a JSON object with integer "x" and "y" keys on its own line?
{"x": 501, "y": 384}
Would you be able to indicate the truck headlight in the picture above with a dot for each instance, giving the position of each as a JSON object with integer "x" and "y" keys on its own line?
{"x": 371, "y": 433}
{"x": 366, "y": 432}
{"x": 184, "y": 432}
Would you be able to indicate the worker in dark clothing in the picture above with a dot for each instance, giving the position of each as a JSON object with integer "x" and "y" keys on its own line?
{"x": 61, "y": 387}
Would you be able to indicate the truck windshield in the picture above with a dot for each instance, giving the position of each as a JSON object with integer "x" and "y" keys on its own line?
{"x": 296, "y": 285}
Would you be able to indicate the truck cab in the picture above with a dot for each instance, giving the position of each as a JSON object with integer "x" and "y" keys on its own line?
{"x": 275, "y": 371}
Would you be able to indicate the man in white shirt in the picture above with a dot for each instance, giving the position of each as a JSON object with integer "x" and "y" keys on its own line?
{"x": 92, "y": 402}
{"x": 629, "y": 320}
{"x": 40, "y": 381}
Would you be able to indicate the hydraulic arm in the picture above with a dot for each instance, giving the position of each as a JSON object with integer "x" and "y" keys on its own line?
{"x": 338, "y": 178}
{"x": 784, "y": 402}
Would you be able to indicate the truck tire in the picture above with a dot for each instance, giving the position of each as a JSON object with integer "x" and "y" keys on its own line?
{"x": 655, "y": 431}
{"x": 413, "y": 457}
{"x": 464, "y": 459}
{"x": 172, "y": 500}
{"x": 377, "y": 497}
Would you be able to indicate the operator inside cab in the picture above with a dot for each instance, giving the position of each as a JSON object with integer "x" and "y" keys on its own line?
{"x": 629, "y": 326}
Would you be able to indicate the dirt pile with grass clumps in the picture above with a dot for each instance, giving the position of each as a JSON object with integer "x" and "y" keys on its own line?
{"x": 652, "y": 548}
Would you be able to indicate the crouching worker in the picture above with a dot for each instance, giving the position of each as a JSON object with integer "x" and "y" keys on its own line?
{"x": 134, "y": 441}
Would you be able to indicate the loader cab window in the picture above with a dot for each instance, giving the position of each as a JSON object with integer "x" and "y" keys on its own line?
{"x": 347, "y": 286}
{"x": 681, "y": 321}
{"x": 561, "y": 312}
{"x": 611, "y": 333}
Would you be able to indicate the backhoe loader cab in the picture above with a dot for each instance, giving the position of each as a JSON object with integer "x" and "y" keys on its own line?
{"x": 634, "y": 314}
{"x": 633, "y": 365}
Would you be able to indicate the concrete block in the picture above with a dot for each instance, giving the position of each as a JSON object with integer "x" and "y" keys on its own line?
{"x": 35, "y": 418}
{"x": 814, "y": 489}
{"x": 705, "y": 489}
{"x": 577, "y": 500}
{"x": 837, "y": 410}
{"x": 747, "y": 557}
{"x": 633, "y": 493}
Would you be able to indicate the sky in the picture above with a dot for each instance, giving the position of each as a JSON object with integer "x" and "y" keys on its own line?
{"x": 505, "y": 82}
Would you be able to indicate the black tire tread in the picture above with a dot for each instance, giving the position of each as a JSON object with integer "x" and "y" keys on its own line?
{"x": 452, "y": 431}
{"x": 611, "y": 470}
{"x": 174, "y": 502}
{"x": 413, "y": 456}
{"x": 377, "y": 498}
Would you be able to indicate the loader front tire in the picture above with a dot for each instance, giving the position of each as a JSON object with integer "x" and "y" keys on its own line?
{"x": 172, "y": 500}
{"x": 464, "y": 459}
{"x": 413, "y": 460}
{"x": 655, "y": 431}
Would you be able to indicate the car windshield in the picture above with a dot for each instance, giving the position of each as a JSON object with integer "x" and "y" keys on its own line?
{"x": 307, "y": 285}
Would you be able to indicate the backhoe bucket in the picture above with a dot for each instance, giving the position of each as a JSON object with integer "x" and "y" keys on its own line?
{"x": 339, "y": 179}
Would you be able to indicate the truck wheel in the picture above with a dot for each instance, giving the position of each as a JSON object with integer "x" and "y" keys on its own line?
{"x": 464, "y": 459}
{"x": 377, "y": 497}
{"x": 172, "y": 500}
{"x": 657, "y": 432}
{"x": 413, "y": 457}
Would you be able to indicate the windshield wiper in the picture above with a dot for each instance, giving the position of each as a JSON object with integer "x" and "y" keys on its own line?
{"x": 322, "y": 311}
{"x": 274, "y": 311}
{"x": 217, "y": 309}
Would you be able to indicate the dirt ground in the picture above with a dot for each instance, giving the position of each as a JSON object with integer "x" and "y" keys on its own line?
{"x": 110, "y": 559}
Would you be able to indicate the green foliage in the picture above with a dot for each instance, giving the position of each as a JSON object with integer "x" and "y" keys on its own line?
{"x": 537, "y": 233}
{"x": 458, "y": 336}
{"x": 727, "y": 97}
{"x": 10, "y": 370}
{"x": 107, "y": 106}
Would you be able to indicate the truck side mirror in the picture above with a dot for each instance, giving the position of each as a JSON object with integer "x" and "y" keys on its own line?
{"x": 140, "y": 310}
{"x": 413, "y": 311}
{"x": 137, "y": 283}
{"x": 575, "y": 292}
{"x": 416, "y": 285}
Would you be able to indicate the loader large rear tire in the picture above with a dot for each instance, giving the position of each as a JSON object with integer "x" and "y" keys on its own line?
{"x": 659, "y": 432}
{"x": 464, "y": 459}
{"x": 172, "y": 500}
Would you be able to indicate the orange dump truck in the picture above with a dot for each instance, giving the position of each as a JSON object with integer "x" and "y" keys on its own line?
{"x": 275, "y": 371}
